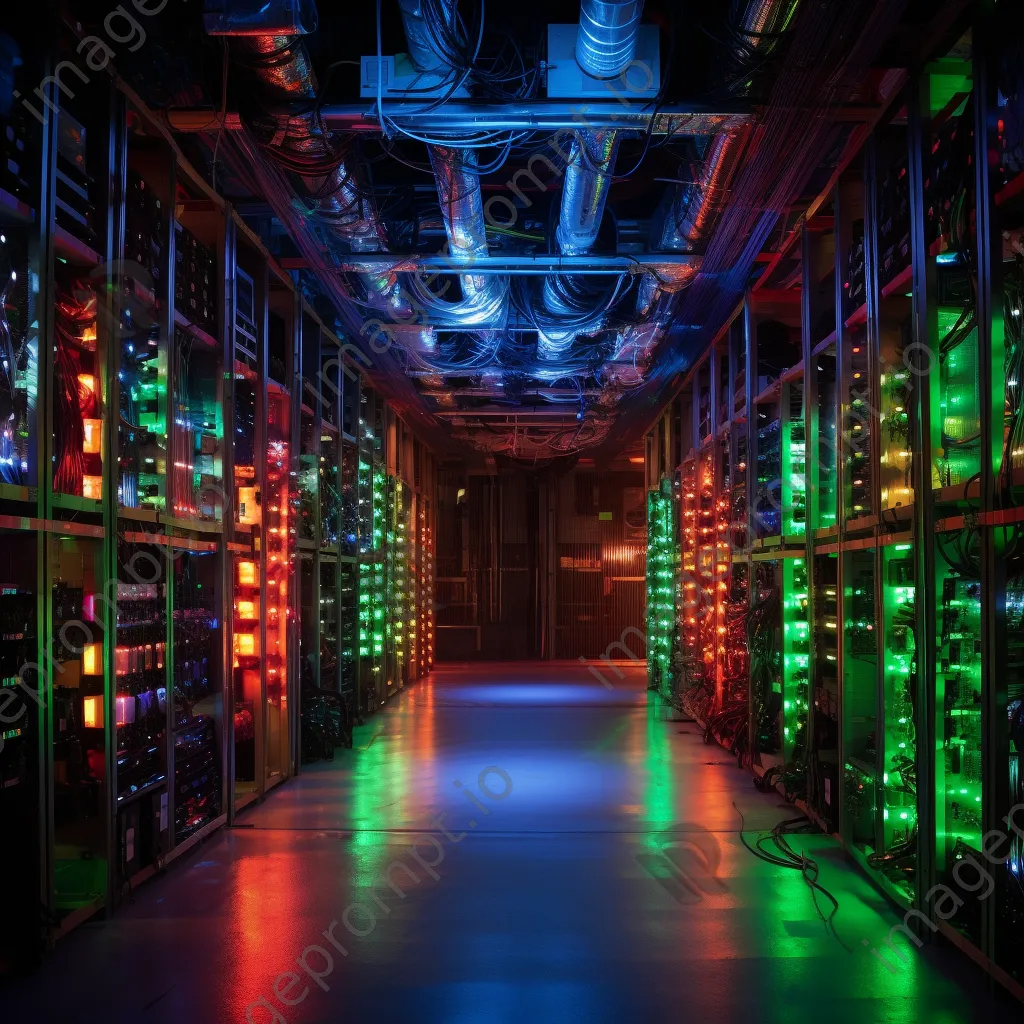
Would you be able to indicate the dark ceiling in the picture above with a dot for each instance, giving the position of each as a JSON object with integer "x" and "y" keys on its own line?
{"x": 558, "y": 363}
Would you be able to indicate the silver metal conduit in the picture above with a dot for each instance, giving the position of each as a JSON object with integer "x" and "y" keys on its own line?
{"x": 606, "y": 40}
{"x": 283, "y": 65}
{"x": 695, "y": 206}
{"x": 484, "y": 298}
{"x": 605, "y": 45}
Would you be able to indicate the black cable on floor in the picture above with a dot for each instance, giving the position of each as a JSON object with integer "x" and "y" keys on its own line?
{"x": 789, "y": 858}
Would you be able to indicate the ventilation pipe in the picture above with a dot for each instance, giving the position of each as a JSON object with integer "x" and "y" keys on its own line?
{"x": 484, "y": 296}
{"x": 696, "y": 205}
{"x": 605, "y": 45}
{"x": 418, "y": 36}
{"x": 606, "y": 40}
{"x": 274, "y": 51}
{"x": 458, "y": 189}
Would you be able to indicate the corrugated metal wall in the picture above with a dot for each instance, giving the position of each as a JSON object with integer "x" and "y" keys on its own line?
{"x": 600, "y": 579}
{"x": 537, "y": 565}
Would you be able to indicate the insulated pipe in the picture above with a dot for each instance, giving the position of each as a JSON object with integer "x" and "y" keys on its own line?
{"x": 696, "y": 206}
{"x": 458, "y": 190}
{"x": 422, "y": 50}
{"x": 282, "y": 64}
{"x": 605, "y": 45}
{"x": 588, "y": 179}
{"x": 606, "y": 40}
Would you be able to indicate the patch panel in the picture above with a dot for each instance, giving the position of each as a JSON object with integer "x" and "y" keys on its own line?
{"x": 768, "y": 507}
{"x": 662, "y": 527}
{"x": 795, "y": 658}
{"x": 794, "y": 465}
{"x": 857, "y": 430}
{"x": 196, "y": 470}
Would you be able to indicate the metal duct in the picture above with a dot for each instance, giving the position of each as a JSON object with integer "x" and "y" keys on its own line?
{"x": 606, "y": 40}
{"x": 259, "y": 17}
{"x": 696, "y": 206}
{"x": 418, "y": 37}
{"x": 588, "y": 179}
{"x": 605, "y": 44}
{"x": 458, "y": 190}
{"x": 283, "y": 65}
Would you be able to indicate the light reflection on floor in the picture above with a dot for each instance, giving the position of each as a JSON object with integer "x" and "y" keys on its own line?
{"x": 583, "y": 896}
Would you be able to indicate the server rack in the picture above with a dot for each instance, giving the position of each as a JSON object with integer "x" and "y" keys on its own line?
{"x": 906, "y": 272}
{"x": 178, "y": 508}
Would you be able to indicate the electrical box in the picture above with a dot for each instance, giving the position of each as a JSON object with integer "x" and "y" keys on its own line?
{"x": 402, "y": 80}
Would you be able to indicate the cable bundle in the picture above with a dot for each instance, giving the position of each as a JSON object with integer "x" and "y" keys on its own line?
{"x": 138, "y": 382}
{"x": 793, "y": 782}
{"x": 182, "y": 493}
{"x": 748, "y": 53}
{"x": 736, "y": 652}
{"x": 17, "y": 359}
{"x": 729, "y": 727}
{"x": 763, "y": 645}
{"x": 490, "y": 76}
{"x": 1013, "y": 340}
{"x": 539, "y": 443}
{"x": 696, "y": 692}
{"x": 68, "y": 429}
{"x": 785, "y": 856}
{"x": 588, "y": 302}
{"x": 485, "y": 77}
{"x": 74, "y": 400}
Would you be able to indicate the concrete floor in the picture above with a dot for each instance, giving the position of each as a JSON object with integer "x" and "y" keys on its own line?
{"x": 609, "y": 885}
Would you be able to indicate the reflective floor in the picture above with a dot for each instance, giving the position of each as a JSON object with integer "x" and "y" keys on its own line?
{"x": 588, "y": 867}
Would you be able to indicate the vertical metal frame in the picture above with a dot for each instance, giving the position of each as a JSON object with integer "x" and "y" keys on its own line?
{"x": 926, "y": 398}
{"x": 873, "y": 336}
{"x": 991, "y": 361}
{"x": 872, "y": 330}
{"x": 170, "y": 341}
{"x": 812, "y": 500}
{"x": 227, "y": 574}
{"x": 44, "y": 476}
{"x": 307, "y": 355}
{"x": 750, "y": 370}
{"x": 293, "y": 685}
{"x": 351, "y": 383}
{"x": 843, "y": 401}
{"x": 261, "y": 287}
{"x": 750, "y": 347}
{"x": 714, "y": 364}
{"x": 117, "y": 159}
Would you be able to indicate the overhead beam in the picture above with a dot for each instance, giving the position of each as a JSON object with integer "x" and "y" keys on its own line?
{"x": 511, "y": 415}
{"x": 543, "y": 115}
{"x": 667, "y": 265}
{"x": 458, "y": 117}
{"x": 489, "y": 392}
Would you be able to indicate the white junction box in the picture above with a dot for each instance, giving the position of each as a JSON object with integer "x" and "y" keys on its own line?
{"x": 400, "y": 80}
